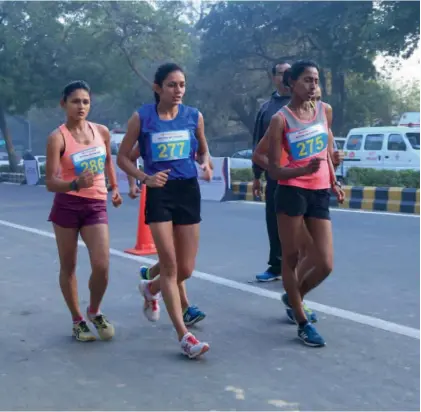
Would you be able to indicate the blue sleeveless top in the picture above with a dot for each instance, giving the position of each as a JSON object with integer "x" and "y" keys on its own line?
{"x": 169, "y": 144}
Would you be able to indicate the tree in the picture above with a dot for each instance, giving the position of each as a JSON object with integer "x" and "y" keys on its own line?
{"x": 113, "y": 46}
{"x": 39, "y": 53}
{"x": 242, "y": 39}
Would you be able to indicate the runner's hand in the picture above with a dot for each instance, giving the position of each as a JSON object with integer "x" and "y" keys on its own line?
{"x": 158, "y": 179}
{"x": 116, "y": 198}
{"x": 339, "y": 193}
{"x": 257, "y": 188}
{"x": 85, "y": 179}
{"x": 134, "y": 191}
{"x": 338, "y": 157}
{"x": 313, "y": 166}
{"x": 207, "y": 171}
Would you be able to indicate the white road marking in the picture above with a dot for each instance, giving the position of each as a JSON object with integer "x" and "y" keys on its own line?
{"x": 329, "y": 310}
{"x": 332, "y": 209}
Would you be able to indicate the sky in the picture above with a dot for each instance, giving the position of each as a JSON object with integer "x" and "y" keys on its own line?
{"x": 407, "y": 71}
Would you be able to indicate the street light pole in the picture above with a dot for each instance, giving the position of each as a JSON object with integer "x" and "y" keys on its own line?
{"x": 29, "y": 136}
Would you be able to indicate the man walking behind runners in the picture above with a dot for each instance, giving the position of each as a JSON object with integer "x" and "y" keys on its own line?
{"x": 278, "y": 99}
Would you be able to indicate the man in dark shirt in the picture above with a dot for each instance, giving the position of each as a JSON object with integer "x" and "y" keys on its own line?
{"x": 278, "y": 99}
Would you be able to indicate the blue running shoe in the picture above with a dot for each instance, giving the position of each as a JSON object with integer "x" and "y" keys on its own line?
{"x": 285, "y": 300}
{"x": 193, "y": 315}
{"x": 310, "y": 337}
{"x": 268, "y": 276}
{"x": 311, "y": 315}
{"x": 144, "y": 272}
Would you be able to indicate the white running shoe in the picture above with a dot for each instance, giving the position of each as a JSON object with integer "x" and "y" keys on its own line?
{"x": 191, "y": 347}
{"x": 151, "y": 307}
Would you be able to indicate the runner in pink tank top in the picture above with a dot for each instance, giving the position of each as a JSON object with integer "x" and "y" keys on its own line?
{"x": 78, "y": 155}
{"x": 303, "y": 131}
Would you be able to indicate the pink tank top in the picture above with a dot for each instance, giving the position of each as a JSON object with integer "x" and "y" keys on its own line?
{"x": 303, "y": 140}
{"x": 79, "y": 157}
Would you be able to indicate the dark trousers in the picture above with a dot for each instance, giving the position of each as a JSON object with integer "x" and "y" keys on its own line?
{"x": 275, "y": 254}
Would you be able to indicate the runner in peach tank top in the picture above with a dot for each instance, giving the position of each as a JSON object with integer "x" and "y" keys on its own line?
{"x": 78, "y": 157}
{"x": 302, "y": 141}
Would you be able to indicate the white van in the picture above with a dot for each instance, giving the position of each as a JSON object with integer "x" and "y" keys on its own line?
{"x": 410, "y": 119}
{"x": 390, "y": 147}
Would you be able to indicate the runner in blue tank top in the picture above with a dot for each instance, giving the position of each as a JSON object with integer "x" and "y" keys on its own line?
{"x": 169, "y": 134}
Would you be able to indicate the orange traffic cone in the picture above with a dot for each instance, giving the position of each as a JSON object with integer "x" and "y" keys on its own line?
{"x": 144, "y": 241}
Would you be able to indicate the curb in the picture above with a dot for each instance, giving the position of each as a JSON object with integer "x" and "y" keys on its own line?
{"x": 18, "y": 178}
{"x": 384, "y": 199}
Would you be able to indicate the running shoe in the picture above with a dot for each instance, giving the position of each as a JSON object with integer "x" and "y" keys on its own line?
{"x": 103, "y": 326}
{"x": 191, "y": 347}
{"x": 82, "y": 333}
{"x": 268, "y": 276}
{"x": 311, "y": 315}
{"x": 144, "y": 273}
{"x": 310, "y": 337}
{"x": 193, "y": 315}
{"x": 151, "y": 307}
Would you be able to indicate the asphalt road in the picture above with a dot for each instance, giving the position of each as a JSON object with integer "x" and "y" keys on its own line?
{"x": 368, "y": 310}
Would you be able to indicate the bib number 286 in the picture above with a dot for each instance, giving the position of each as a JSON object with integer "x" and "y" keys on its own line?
{"x": 92, "y": 159}
{"x": 93, "y": 165}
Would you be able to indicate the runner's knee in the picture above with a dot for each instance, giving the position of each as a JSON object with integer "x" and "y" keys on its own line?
{"x": 100, "y": 267}
{"x": 68, "y": 268}
{"x": 291, "y": 258}
{"x": 185, "y": 271}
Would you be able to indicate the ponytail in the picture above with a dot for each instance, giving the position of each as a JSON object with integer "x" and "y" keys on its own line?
{"x": 156, "y": 97}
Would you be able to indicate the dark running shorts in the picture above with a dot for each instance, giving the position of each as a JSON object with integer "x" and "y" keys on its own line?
{"x": 178, "y": 202}
{"x": 74, "y": 212}
{"x": 296, "y": 201}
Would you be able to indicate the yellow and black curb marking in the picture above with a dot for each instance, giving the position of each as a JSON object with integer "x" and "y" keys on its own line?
{"x": 385, "y": 199}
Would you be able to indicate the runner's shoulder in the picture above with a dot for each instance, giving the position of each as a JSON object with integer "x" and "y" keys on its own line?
{"x": 56, "y": 138}
{"x": 103, "y": 131}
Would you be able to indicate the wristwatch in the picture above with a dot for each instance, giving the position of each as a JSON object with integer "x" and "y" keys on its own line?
{"x": 337, "y": 183}
{"x": 143, "y": 181}
{"x": 74, "y": 186}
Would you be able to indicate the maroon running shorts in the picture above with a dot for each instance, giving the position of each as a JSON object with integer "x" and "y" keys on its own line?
{"x": 74, "y": 212}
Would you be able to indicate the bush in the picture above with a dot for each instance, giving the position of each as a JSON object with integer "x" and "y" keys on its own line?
{"x": 6, "y": 168}
{"x": 241, "y": 175}
{"x": 383, "y": 178}
{"x": 357, "y": 177}
{"x": 19, "y": 169}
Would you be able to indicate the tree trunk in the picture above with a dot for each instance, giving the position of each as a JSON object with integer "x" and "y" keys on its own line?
{"x": 338, "y": 102}
{"x": 246, "y": 117}
{"x": 9, "y": 144}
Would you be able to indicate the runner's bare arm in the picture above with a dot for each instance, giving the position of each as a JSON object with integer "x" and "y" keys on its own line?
{"x": 203, "y": 149}
{"x": 134, "y": 155}
{"x": 274, "y": 134}
{"x": 55, "y": 145}
{"x": 124, "y": 159}
{"x": 109, "y": 166}
{"x": 330, "y": 147}
{"x": 331, "y": 139}
{"x": 260, "y": 154}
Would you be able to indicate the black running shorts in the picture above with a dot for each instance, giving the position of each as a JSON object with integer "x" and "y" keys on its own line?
{"x": 296, "y": 201}
{"x": 178, "y": 202}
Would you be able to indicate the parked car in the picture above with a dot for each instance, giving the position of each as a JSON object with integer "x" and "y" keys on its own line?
{"x": 241, "y": 159}
{"x": 340, "y": 142}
